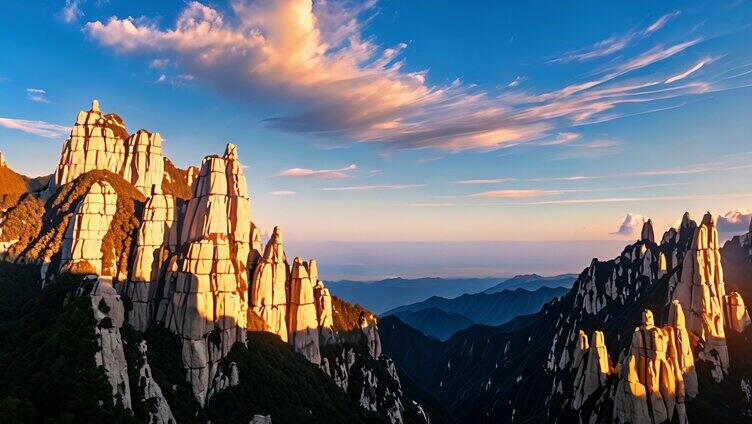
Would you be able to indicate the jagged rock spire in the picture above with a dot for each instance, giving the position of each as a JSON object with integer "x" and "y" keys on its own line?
{"x": 647, "y": 233}
{"x": 268, "y": 287}
{"x": 701, "y": 289}
{"x": 303, "y": 325}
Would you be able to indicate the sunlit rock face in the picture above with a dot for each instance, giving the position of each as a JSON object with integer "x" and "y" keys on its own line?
{"x": 87, "y": 227}
{"x": 701, "y": 290}
{"x": 208, "y": 283}
{"x": 143, "y": 161}
{"x": 99, "y": 141}
{"x": 735, "y": 313}
{"x": 323, "y": 301}
{"x": 650, "y": 389}
{"x": 269, "y": 287}
{"x": 303, "y": 325}
{"x": 157, "y": 239}
{"x": 369, "y": 326}
{"x": 593, "y": 367}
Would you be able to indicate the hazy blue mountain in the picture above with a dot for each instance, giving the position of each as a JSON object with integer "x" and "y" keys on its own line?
{"x": 489, "y": 308}
{"x": 383, "y": 295}
{"x": 533, "y": 281}
{"x": 434, "y": 322}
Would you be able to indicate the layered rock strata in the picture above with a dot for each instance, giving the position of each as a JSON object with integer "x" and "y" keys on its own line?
{"x": 208, "y": 303}
{"x": 87, "y": 227}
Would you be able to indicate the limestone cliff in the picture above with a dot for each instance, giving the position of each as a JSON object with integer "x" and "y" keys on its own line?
{"x": 82, "y": 243}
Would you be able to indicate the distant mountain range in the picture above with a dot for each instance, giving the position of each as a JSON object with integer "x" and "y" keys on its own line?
{"x": 434, "y": 322}
{"x": 482, "y": 308}
{"x": 533, "y": 281}
{"x": 384, "y": 295}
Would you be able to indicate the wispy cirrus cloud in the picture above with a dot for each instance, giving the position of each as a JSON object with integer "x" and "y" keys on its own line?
{"x": 282, "y": 193}
{"x": 690, "y": 71}
{"x": 725, "y": 163}
{"x": 373, "y": 187}
{"x": 40, "y": 128}
{"x": 340, "y": 85}
{"x": 319, "y": 174}
{"x": 615, "y": 43}
{"x": 516, "y": 194}
{"x": 485, "y": 181}
{"x": 37, "y": 95}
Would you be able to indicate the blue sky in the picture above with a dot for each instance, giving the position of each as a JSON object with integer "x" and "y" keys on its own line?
{"x": 409, "y": 121}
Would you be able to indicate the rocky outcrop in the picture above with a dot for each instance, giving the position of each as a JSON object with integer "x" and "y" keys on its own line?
{"x": 303, "y": 324}
{"x": 269, "y": 287}
{"x": 650, "y": 389}
{"x": 323, "y": 301}
{"x": 87, "y": 227}
{"x": 369, "y": 326}
{"x": 592, "y": 370}
{"x": 682, "y": 356}
{"x": 99, "y": 141}
{"x": 734, "y": 312}
{"x": 701, "y": 289}
{"x": 647, "y": 233}
{"x": 109, "y": 314}
{"x": 143, "y": 161}
{"x": 160, "y": 413}
{"x": 208, "y": 304}
{"x": 157, "y": 239}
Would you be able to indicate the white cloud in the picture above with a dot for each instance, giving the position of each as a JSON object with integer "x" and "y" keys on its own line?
{"x": 320, "y": 174}
{"x": 734, "y": 221}
{"x": 282, "y": 193}
{"x": 631, "y": 226}
{"x": 71, "y": 11}
{"x": 37, "y": 95}
{"x": 341, "y": 86}
{"x": 40, "y": 128}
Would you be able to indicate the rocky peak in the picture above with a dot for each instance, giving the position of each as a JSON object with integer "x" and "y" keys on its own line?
{"x": 101, "y": 142}
{"x": 269, "y": 287}
{"x": 82, "y": 242}
{"x": 647, "y": 232}
{"x": 303, "y": 324}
